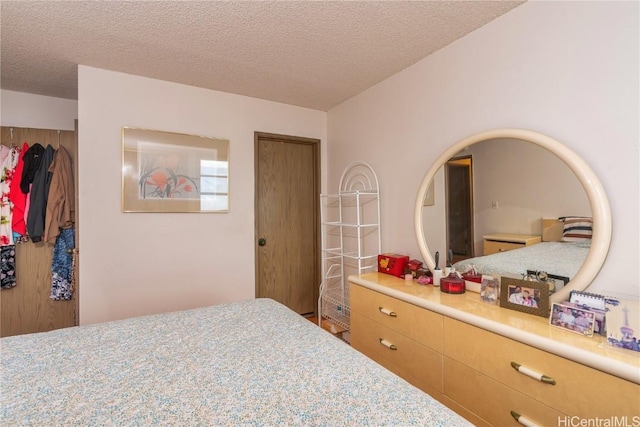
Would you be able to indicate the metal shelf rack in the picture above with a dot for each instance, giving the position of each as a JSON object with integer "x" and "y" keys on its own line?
{"x": 350, "y": 221}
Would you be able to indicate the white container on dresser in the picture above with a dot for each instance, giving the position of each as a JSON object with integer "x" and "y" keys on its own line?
{"x": 463, "y": 352}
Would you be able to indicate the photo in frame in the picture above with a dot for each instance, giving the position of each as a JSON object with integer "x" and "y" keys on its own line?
{"x": 525, "y": 296}
{"x": 490, "y": 289}
{"x": 599, "y": 316}
{"x": 174, "y": 172}
{"x": 572, "y": 319}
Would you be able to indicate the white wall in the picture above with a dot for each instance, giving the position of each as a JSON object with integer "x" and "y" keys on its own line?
{"x": 27, "y": 110}
{"x": 139, "y": 263}
{"x": 528, "y": 183}
{"x": 565, "y": 69}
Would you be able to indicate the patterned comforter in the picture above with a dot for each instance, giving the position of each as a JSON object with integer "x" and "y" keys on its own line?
{"x": 557, "y": 258}
{"x": 249, "y": 363}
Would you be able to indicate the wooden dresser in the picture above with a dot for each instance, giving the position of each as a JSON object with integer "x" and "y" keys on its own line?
{"x": 465, "y": 353}
{"x": 494, "y": 243}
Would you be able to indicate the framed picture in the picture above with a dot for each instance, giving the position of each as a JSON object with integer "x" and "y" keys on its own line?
{"x": 174, "y": 172}
{"x": 599, "y": 316}
{"x": 572, "y": 319}
{"x": 489, "y": 289}
{"x": 524, "y": 295}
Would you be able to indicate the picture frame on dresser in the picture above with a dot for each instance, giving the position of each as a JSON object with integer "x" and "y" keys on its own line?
{"x": 524, "y": 295}
{"x": 572, "y": 319}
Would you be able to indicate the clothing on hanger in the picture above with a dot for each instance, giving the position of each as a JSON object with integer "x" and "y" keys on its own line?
{"x": 62, "y": 265}
{"x": 61, "y": 199}
{"x": 18, "y": 198}
{"x": 39, "y": 195}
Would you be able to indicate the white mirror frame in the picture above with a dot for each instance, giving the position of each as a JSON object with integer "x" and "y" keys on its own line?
{"x": 600, "y": 209}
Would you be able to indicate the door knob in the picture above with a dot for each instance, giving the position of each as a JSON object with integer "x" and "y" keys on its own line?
{"x": 262, "y": 241}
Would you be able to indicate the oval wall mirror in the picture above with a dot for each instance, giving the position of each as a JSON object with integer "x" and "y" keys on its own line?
{"x": 505, "y": 216}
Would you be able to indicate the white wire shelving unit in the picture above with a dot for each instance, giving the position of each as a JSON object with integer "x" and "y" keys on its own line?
{"x": 350, "y": 221}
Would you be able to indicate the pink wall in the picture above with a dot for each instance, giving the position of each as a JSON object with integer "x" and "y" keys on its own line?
{"x": 565, "y": 69}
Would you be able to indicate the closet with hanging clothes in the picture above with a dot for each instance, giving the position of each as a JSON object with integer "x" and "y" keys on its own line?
{"x": 38, "y": 230}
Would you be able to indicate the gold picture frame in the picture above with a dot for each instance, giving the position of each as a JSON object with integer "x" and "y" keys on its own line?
{"x": 525, "y": 295}
{"x": 174, "y": 172}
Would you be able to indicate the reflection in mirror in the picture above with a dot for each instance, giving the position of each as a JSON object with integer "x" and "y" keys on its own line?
{"x": 519, "y": 184}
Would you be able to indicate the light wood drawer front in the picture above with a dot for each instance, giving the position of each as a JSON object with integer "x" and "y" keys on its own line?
{"x": 411, "y": 321}
{"x": 579, "y": 390}
{"x": 492, "y": 247}
{"x": 399, "y": 371}
{"x": 417, "y": 360}
{"x": 491, "y": 400}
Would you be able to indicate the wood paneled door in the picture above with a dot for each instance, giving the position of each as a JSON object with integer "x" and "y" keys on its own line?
{"x": 27, "y": 308}
{"x": 287, "y": 199}
{"x": 459, "y": 188}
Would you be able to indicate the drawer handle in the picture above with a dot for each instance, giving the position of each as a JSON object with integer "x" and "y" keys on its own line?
{"x": 387, "y": 312}
{"x": 388, "y": 344}
{"x": 523, "y": 420}
{"x": 533, "y": 374}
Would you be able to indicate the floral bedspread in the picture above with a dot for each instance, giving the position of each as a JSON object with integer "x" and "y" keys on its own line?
{"x": 249, "y": 363}
{"x": 557, "y": 258}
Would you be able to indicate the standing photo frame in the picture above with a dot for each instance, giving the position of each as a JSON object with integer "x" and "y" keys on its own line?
{"x": 525, "y": 296}
{"x": 572, "y": 319}
{"x": 174, "y": 172}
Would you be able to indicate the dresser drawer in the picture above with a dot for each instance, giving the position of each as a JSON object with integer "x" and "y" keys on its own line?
{"x": 409, "y": 320}
{"x": 492, "y": 247}
{"x": 384, "y": 344}
{"x": 492, "y": 401}
{"x": 578, "y": 390}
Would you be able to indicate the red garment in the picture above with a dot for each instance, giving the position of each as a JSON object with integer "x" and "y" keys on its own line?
{"x": 17, "y": 197}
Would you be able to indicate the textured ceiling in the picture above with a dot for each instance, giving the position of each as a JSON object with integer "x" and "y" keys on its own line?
{"x": 314, "y": 54}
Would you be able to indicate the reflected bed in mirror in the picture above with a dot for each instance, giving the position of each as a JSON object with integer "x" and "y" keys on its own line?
{"x": 535, "y": 176}
{"x": 558, "y": 256}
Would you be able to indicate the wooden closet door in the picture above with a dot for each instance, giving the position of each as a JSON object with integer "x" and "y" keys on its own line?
{"x": 27, "y": 308}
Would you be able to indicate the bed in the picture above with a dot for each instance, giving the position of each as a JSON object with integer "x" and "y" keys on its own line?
{"x": 562, "y": 259}
{"x": 252, "y": 362}
{"x": 564, "y": 247}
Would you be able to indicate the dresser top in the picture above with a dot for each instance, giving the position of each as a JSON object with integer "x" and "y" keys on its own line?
{"x": 526, "y": 328}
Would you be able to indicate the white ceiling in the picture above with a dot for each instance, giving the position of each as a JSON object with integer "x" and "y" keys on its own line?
{"x": 313, "y": 54}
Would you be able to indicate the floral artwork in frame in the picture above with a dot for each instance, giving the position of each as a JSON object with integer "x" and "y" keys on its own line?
{"x": 173, "y": 172}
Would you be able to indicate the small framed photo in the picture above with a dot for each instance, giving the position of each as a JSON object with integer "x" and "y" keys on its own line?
{"x": 489, "y": 289}
{"x": 572, "y": 319}
{"x": 524, "y": 295}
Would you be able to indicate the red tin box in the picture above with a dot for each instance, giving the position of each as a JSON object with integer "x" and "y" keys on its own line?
{"x": 392, "y": 264}
{"x": 452, "y": 284}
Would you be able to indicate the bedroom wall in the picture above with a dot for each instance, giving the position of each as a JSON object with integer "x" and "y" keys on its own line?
{"x": 566, "y": 69}
{"x": 528, "y": 182}
{"x": 140, "y": 263}
{"x": 27, "y": 110}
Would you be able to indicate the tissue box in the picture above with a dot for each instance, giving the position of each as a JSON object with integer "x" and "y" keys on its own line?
{"x": 392, "y": 264}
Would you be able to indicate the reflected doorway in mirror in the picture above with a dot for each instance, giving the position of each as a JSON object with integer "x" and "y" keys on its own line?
{"x": 429, "y": 196}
